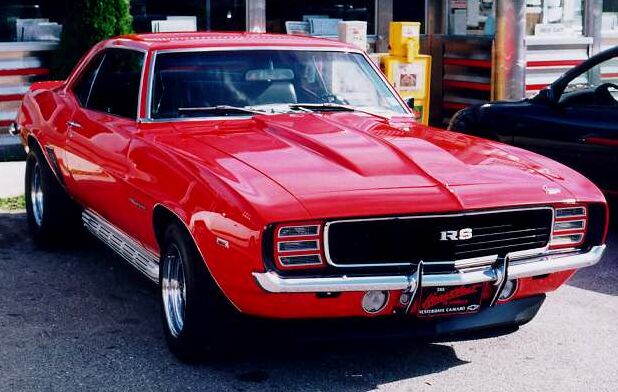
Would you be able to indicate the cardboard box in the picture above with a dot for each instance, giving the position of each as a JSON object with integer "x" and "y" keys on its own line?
{"x": 354, "y": 33}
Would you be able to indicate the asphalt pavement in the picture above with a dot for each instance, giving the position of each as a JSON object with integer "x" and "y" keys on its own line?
{"x": 78, "y": 318}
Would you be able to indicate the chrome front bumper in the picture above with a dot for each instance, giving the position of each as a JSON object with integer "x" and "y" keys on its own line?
{"x": 521, "y": 268}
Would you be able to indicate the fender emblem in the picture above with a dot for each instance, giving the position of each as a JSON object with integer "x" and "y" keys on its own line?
{"x": 454, "y": 235}
{"x": 551, "y": 190}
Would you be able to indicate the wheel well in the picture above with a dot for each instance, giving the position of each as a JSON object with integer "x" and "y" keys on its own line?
{"x": 161, "y": 218}
{"x": 33, "y": 143}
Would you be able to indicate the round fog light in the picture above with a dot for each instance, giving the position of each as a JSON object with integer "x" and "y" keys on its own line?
{"x": 374, "y": 301}
{"x": 508, "y": 290}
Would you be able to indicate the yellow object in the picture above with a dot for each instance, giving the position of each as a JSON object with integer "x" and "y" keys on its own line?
{"x": 411, "y": 79}
{"x": 405, "y": 39}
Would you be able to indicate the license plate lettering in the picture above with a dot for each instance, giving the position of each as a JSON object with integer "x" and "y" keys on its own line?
{"x": 437, "y": 301}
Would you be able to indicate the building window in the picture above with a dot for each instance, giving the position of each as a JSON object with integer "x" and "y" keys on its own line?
{"x": 30, "y": 20}
{"x": 471, "y": 17}
{"x": 409, "y": 11}
{"x": 554, "y": 17}
{"x": 219, "y": 15}
{"x": 278, "y": 12}
{"x": 610, "y": 18}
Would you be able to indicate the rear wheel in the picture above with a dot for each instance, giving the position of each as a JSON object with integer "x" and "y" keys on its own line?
{"x": 50, "y": 212}
{"x": 196, "y": 316}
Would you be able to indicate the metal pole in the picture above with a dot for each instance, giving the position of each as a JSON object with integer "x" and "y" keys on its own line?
{"x": 256, "y": 16}
{"x": 208, "y": 15}
{"x": 384, "y": 11}
{"x": 593, "y": 13}
{"x": 434, "y": 20}
{"x": 510, "y": 47}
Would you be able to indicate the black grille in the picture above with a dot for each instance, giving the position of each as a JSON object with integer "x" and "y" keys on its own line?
{"x": 409, "y": 240}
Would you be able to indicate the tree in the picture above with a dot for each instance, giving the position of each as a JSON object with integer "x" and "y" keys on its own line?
{"x": 86, "y": 23}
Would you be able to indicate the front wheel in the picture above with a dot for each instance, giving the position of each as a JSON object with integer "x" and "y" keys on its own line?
{"x": 52, "y": 215}
{"x": 195, "y": 314}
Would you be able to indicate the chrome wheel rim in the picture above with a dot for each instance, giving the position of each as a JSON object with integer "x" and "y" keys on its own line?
{"x": 36, "y": 194}
{"x": 174, "y": 290}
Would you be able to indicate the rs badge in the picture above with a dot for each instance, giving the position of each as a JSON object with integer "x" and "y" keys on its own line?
{"x": 454, "y": 235}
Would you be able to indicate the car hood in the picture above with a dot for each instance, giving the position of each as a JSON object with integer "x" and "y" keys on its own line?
{"x": 347, "y": 156}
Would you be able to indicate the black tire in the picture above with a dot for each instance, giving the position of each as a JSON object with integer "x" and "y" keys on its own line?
{"x": 52, "y": 215}
{"x": 206, "y": 314}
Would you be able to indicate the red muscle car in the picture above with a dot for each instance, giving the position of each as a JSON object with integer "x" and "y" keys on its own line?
{"x": 283, "y": 177}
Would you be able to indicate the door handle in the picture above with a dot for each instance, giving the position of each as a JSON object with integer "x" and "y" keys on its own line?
{"x": 73, "y": 124}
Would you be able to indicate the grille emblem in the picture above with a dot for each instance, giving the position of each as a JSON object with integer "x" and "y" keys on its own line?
{"x": 454, "y": 235}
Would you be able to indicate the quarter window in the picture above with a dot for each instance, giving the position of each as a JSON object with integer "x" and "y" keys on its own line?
{"x": 115, "y": 89}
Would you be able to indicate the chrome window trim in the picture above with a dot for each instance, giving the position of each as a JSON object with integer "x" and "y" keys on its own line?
{"x": 75, "y": 79}
{"x": 516, "y": 254}
{"x": 155, "y": 53}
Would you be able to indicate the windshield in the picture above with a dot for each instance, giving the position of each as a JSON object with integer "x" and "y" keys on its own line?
{"x": 606, "y": 72}
{"x": 187, "y": 82}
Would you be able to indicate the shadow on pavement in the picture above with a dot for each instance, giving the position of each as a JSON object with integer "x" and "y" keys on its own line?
{"x": 81, "y": 316}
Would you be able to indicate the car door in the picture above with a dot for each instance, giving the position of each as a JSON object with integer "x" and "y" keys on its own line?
{"x": 100, "y": 132}
{"x": 577, "y": 128}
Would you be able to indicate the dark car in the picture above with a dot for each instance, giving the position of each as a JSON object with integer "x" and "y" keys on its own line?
{"x": 574, "y": 120}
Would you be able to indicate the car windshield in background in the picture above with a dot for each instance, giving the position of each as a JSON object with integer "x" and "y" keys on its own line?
{"x": 223, "y": 83}
{"x": 605, "y": 72}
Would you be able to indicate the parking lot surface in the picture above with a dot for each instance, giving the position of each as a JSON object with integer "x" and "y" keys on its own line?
{"x": 78, "y": 318}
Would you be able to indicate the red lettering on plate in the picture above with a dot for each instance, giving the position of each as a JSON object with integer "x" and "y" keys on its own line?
{"x": 437, "y": 298}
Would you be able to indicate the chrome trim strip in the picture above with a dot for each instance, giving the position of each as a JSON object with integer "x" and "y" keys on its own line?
{"x": 298, "y": 236}
{"x": 473, "y": 262}
{"x": 584, "y": 208}
{"x": 408, "y": 217}
{"x": 313, "y": 249}
{"x": 583, "y": 225}
{"x": 273, "y": 283}
{"x": 534, "y": 266}
{"x": 487, "y": 274}
{"x": 287, "y": 265}
{"x": 129, "y": 249}
{"x": 579, "y": 236}
{"x": 550, "y": 263}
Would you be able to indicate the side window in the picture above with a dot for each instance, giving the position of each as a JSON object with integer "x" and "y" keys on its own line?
{"x": 116, "y": 86}
{"x": 82, "y": 87}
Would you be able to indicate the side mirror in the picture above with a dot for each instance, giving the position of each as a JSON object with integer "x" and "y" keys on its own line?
{"x": 547, "y": 96}
{"x": 410, "y": 104}
{"x": 14, "y": 129}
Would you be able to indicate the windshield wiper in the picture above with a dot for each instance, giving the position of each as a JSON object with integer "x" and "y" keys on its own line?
{"x": 323, "y": 106}
{"x": 335, "y": 107}
{"x": 221, "y": 109}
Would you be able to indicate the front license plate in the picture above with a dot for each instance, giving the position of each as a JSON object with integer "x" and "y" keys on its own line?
{"x": 440, "y": 301}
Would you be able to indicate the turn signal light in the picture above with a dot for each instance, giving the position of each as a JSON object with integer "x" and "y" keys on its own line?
{"x": 569, "y": 227}
{"x": 298, "y": 245}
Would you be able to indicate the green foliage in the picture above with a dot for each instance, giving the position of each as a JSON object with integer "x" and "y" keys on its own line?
{"x": 86, "y": 23}
{"x": 13, "y": 203}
